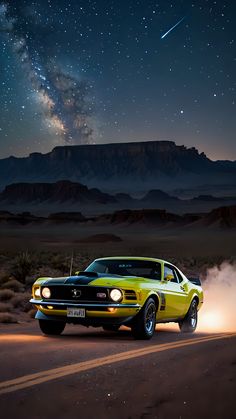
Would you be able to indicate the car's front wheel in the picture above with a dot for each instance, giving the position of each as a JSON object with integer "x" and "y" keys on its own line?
{"x": 189, "y": 323}
{"x": 143, "y": 326}
{"x": 50, "y": 327}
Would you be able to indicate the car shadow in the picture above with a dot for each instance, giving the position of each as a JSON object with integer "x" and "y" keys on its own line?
{"x": 163, "y": 334}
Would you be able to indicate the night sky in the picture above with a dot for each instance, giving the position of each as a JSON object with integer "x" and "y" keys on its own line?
{"x": 75, "y": 72}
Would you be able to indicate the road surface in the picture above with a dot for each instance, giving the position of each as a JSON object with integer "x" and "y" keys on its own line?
{"x": 89, "y": 373}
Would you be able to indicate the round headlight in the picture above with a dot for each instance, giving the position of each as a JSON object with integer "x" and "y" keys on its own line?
{"x": 46, "y": 293}
{"x": 116, "y": 295}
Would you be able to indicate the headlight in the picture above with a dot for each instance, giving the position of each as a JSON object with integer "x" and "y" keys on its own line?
{"x": 116, "y": 295}
{"x": 37, "y": 292}
{"x": 46, "y": 293}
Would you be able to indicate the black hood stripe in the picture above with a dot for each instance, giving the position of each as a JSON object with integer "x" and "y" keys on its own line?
{"x": 79, "y": 280}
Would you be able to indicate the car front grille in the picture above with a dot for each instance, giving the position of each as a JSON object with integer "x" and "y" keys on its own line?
{"x": 77, "y": 293}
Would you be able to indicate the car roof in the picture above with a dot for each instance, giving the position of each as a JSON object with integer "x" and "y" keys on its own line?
{"x": 135, "y": 258}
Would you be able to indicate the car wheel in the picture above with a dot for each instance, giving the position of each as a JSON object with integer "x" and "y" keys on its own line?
{"x": 189, "y": 323}
{"x": 143, "y": 326}
{"x": 111, "y": 327}
{"x": 50, "y": 327}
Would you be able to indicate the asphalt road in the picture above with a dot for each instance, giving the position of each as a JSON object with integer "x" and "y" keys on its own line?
{"x": 89, "y": 373}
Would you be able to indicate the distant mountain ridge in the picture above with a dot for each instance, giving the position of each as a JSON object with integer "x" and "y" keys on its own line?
{"x": 60, "y": 192}
{"x": 120, "y": 167}
{"x": 220, "y": 218}
{"x": 73, "y": 196}
{"x": 66, "y": 191}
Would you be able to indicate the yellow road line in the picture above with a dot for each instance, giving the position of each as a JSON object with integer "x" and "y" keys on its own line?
{"x": 59, "y": 372}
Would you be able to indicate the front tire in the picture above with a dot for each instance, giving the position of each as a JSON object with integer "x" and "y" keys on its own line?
{"x": 50, "y": 327}
{"x": 144, "y": 324}
{"x": 189, "y": 323}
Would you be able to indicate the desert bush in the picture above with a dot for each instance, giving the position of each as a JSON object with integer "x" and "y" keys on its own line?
{"x": 13, "y": 285}
{"x": 22, "y": 266}
{"x": 20, "y": 300}
{"x": 7, "y": 318}
{"x": 4, "y": 278}
{"x": 5, "y": 307}
{"x": 6, "y": 295}
{"x": 61, "y": 263}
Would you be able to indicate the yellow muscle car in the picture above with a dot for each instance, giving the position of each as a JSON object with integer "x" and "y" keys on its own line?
{"x": 137, "y": 292}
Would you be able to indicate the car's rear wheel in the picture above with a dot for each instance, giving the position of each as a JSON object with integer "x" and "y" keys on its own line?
{"x": 111, "y": 327}
{"x": 50, "y": 327}
{"x": 189, "y": 323}
{"x": 143, "y": 326}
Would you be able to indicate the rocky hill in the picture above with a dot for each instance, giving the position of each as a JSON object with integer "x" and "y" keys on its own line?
{"x": 223, "y": 218}
{"x": 59, "y": 192}
{"x": 143, "y": 216}
{"x": 121, "y": 167}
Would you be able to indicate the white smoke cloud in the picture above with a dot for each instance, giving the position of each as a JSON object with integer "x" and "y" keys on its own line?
{"x": 218, "y": 313}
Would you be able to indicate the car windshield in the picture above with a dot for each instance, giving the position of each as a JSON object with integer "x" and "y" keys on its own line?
{"x": 131, "y": 267}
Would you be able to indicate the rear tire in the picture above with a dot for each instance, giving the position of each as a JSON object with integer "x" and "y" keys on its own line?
{"x": 189, "y": 323}
{"x": 111, "y": 327}
{"x": 50, "y": 327}
{"x": 143, "y": 326}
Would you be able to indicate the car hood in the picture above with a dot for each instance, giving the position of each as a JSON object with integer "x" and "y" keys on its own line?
{"x": 93, "y": 280}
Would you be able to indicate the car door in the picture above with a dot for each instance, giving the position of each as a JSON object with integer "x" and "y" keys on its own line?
{"x": 175, "y": 293}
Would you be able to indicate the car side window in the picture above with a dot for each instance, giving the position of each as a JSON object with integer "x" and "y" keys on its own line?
{"x": 156, "y": 272}
{"x": 179, "y": 276}
{"x": 170, "y": 271}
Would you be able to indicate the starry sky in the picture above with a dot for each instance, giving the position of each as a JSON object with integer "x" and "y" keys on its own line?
{"x": 80, "y": 72}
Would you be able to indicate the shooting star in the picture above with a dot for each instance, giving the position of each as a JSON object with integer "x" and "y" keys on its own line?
{"x": 173, "y": 27}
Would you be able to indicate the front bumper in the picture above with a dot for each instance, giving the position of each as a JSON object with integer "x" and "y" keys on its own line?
{"x": 96, "y": 313}
{"x": 89, "y": 306}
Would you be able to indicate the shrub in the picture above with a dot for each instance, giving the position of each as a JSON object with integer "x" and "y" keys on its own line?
{"x": 61, "y": 263}
{"x": 4, "y": 278}
{"x": 7, "y": 318}
{"x": 5, "y": 307}
{"x": 6, "y": 295}
{"x": 13, "y": 285}
{"x": 22, "y": 266}
{"x": 20, "y": 300}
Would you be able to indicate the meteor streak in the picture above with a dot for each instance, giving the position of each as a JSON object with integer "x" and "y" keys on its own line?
{"x": 173, "y": 27}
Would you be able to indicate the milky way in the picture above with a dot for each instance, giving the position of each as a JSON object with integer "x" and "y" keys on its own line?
{"x": 67, "y": 105}
{"x": 80, "y": 71}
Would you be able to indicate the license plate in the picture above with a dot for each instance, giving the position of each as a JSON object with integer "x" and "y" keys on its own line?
{"x": 75, "y": 312}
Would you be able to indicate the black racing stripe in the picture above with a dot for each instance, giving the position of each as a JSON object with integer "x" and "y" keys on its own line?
{"x": 79, "y": 280}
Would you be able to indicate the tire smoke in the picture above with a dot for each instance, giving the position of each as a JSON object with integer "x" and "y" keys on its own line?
{"x": 218, "y": 313}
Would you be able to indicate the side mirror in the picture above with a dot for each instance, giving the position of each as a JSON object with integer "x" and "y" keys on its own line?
{"x": 169, "y": 277}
